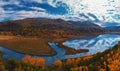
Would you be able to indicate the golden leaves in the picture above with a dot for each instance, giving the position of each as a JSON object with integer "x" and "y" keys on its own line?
{"x": 40, "y": 62}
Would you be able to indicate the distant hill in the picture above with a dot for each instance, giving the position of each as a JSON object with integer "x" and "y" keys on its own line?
{"x": 114, "y": 28}
{"x": 88, "y": 26}
{"x": 51, "y": 27}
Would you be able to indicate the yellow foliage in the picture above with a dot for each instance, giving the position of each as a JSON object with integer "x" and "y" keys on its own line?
{"x": 58, "y": 63}
{"x": 80, "y": 68}
{"x": 34, "y": 61}
{"x": 68, "y": 62}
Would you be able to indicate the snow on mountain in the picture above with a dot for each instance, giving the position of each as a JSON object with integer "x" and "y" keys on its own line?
{"x": 94, "y": 44}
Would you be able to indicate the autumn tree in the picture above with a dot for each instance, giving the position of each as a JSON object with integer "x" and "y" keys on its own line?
{"x": 58, "y": 63}
{"x": 27, "y": 59}
{"x": 40, "y": 62}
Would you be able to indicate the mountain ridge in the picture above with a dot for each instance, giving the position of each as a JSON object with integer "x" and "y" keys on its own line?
{"x": 55, "y": 27}
{"x": 37, "y": 22}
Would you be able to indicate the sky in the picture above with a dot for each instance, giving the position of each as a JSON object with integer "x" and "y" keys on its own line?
{"x": 101, "y": 12}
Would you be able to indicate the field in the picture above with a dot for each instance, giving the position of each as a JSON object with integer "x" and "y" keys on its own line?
{"x": 33, "y": 46}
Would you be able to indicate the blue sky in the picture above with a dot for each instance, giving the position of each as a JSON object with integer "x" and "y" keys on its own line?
{"x": 101, "y": 12}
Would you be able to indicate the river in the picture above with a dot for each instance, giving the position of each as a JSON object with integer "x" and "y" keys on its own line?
{"x": 94, "y": 43}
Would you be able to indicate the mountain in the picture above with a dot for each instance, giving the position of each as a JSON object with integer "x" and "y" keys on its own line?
{"x": 41, "y": 27}
{"x": 51, "y": 23}
{"x": 114, "y": 28}
{"x": 87, "y": 26}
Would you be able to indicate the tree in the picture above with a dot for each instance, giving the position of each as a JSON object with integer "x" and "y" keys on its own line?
{"x": 68, "y": 62}
{"x": 40, "y": 62}
{"x": 58, "y": 63}
{"x": 26, "y": 59}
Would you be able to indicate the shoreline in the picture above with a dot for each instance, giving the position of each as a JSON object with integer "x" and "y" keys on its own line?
{"x": 22, "y": 52}
{"x": 68, "y": 49}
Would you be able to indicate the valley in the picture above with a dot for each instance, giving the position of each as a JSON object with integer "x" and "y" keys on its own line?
{"x": 52, "y": 40}
{"x": 59, "y": 35}
{"x": 33, "y": 34}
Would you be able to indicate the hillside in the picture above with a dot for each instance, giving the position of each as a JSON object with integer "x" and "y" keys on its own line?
{"x": 108, "y": 60}
{"x": 114, "y": 28}
{"x": 56, "y": 28}
{"x": 87, "y": 26}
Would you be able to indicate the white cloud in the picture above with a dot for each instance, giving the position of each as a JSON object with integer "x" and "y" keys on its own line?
{"x": 1, "y": 11}
{"x": 2, "y": 3}
{"x": 98, "y": 8}
{"x": 50, "y": 2}
{"x": 37, "y": 8}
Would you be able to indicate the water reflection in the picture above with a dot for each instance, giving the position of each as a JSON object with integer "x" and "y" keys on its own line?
{"x": 94, "y": 44}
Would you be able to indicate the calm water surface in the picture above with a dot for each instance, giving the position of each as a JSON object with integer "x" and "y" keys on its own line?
{"x": 94, "y": 44}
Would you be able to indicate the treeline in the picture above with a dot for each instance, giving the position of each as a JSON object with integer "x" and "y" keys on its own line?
{"x": 38, "y": 27}
{"x": 43, "y": 33}
{"x": 48, "y": 28}
{"x": 108, "y": 60}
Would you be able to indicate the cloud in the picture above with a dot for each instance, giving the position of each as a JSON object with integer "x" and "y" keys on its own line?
{"x": 38, "y": 9}
{"x": 82, "y": 10}
{"x": 1, "y": 11}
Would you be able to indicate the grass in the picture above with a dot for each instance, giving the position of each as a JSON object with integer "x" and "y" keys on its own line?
{"x": 33, "y": 46}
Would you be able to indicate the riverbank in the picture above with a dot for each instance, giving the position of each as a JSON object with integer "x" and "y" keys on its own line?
{"x": 32, "y": 46}
{"x": 61, "y": 52}
{"x": 71, "y": 50}
{"x": 37, "y": 46}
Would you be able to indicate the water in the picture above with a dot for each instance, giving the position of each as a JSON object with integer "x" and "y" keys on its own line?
{"x": 94, "y": 44}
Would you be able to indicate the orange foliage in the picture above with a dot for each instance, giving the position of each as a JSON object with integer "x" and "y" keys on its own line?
{"x": 34, "y": 61}
{"x": 114, "y": 61}
{"x": 26, "y": 59}
{"x": 58, "y": 63}
{"x": 81, "y": 68}
{"x": 77, "y": 60}
{"x": 68, "y": 62}
{"x": 89, "y": 56}
{"x": 73, "y": 62}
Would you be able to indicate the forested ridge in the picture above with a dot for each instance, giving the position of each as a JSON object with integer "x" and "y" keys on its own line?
{"x": 56, "y": 28}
